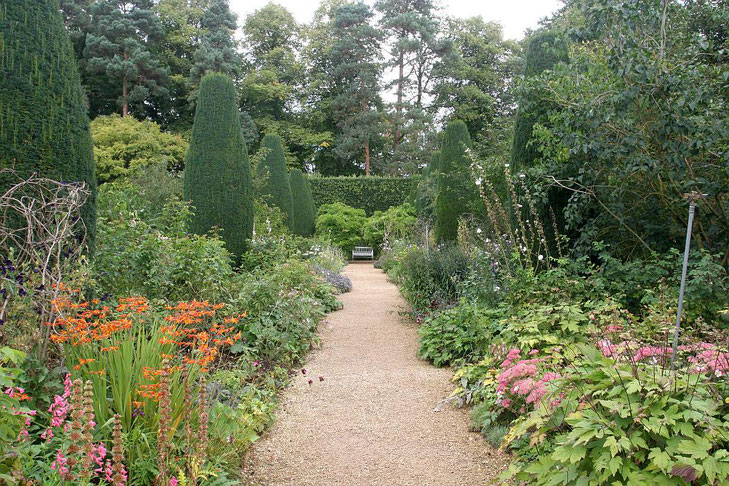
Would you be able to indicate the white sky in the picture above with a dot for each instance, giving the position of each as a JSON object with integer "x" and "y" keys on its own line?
{"x": 515, "y": 15}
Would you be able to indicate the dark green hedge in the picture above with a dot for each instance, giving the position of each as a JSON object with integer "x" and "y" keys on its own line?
{"x": 368, "y": 193}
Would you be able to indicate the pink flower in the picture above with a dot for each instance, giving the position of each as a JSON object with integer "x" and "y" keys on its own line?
{"x": 650, "y": 352}
{"x": 60, "y": 463}
{"x": 607, "y": 348}
{"x": 173, "y": 481}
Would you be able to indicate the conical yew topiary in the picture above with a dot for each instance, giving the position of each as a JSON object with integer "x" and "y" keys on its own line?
{"x": 304, "y": 210}
{"x": 457, "y": 192}
{"x": 43, "y": 124}
{"x": 275, "y": 186}
{"x": 217, "y": 170}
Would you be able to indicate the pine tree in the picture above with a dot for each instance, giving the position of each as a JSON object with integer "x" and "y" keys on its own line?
{"x": 120, "y": 45}
{"x": 43, "y": 124}
{"x": 457, "y": 191}
{"x": 217, "y": 49}
{"x": 304, "y": 210}
{"x": 412, "y": 28}
{"x": 274, "y": 178}
{"x": 355, "y": 73}
{"x": 217, "y": 170}
{"x": 545, "y": 50}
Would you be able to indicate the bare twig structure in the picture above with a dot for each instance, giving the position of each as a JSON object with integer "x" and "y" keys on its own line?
{"x": 41, "y": 236}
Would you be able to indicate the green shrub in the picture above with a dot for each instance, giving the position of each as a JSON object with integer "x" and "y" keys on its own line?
{"x": 457, "y": 192}
{"x": 383, "y": 227}
{"x": 461, "y": 333}
{"x": 304, "y": 210}
{"x": 43, "y": 124}
{"x": 273, "y": 178}
{"x": 429, "y": 279}
{"x": 268, "y": 220}
{"x": 627, "y": 423}
{"x": 122, "y": 146}
{"x": 217, "y": 172}
{"x": 341, "y": 224}
{"x": 158, "y": 261}
{"x": 368, "y": 193}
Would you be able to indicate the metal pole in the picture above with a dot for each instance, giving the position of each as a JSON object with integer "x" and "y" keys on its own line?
{"x": 689, "y": 227}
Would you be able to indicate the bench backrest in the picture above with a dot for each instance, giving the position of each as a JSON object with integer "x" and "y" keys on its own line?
{"x": 363, "y": 251}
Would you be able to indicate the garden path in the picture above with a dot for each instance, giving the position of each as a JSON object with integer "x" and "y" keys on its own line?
{"x": 372, "y": 420}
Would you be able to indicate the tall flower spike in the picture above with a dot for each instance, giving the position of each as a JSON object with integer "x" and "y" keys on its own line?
{"x": 188, "y": 425}
{"x": 165, "y": 413}
{"x": 119, "y": 477}
{"x": 75, "y": 435}
{"x": 88, "y": 429}
{"x": 202, "y": 445}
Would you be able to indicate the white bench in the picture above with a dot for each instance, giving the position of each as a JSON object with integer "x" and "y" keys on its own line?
{"x": 363, "y": 252}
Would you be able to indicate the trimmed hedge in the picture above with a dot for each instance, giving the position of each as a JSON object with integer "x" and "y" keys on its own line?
{"x": 368, "y": 193}
{"x": 217, "y": 171}
{"x": 43, "y": 124}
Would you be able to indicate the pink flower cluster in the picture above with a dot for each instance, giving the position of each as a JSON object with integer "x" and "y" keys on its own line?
{"x": 59, "y": 408}
{"x": 711, "y": 360}
{"x": 521, "y": 379}
{"x": 708, "y": 357}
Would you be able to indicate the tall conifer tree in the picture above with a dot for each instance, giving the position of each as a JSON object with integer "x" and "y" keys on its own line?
{"x": 120, "y": 44}
{"x": 274, "y": 178}
{"x": 217, "y": 170}
{"x": 43, "y": 124}
{"x": 457, "y": 191}
{"x": 356, "y": 72}
{"x": 217, "y": 48}
{"x": 545, "y": 50}
{"x": 304, "y": 210}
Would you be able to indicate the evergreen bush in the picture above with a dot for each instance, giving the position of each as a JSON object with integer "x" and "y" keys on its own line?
{"x": 217, "y": 171}
{"x": 43, "y": 124}
{"x": 304, "y": 210}
{"x": 274, "y": 178}
{"x": 457, "y": 191}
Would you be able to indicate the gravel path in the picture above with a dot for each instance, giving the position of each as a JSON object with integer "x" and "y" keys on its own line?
{"x": 371, "y": 421}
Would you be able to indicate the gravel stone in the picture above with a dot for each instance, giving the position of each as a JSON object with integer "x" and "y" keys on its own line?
{"x": 371, "y": 421}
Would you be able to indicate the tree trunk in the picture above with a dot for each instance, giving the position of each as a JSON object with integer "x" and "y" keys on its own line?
{"x": 398, "y": 107}
{"x": 367, "y": 142}
{"x": 367, "y": 157}
{"x": 125, "y": 93}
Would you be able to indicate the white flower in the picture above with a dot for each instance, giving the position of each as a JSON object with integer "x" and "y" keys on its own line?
{"x": 479, "y": 181}
{"x": 506, "y": 165}
{"x": 478, "y": 231}
{"x": 521, "y": 176}
{"x": 540, "y": 257}
{"x": 519, "y": 206}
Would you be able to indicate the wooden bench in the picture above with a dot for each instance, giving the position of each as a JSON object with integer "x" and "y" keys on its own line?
{"x": 363, "y": 252}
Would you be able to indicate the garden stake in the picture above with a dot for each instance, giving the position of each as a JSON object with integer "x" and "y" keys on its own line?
{"x": 692, "y": 209}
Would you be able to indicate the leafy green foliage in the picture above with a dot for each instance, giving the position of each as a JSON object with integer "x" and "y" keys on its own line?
{"x": 368, "y": 193}
{"x": 44, "y": 125}
{"x": 457, "y": 191}
{"x": 463, "y": 332}
{"x": 123, "y": 146}
{"x": 217, "y": 171}
{"x": 304, "y": 210}
{"x": 475, "y": 82}
{"x": 272, "y": 178}
{"x": 383, "y": 227}
{"x": 544, "y": 51}
{"x": 142, "y": 252}
{"x": 341, "y": 224}
{"x": 618, "y": 423}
